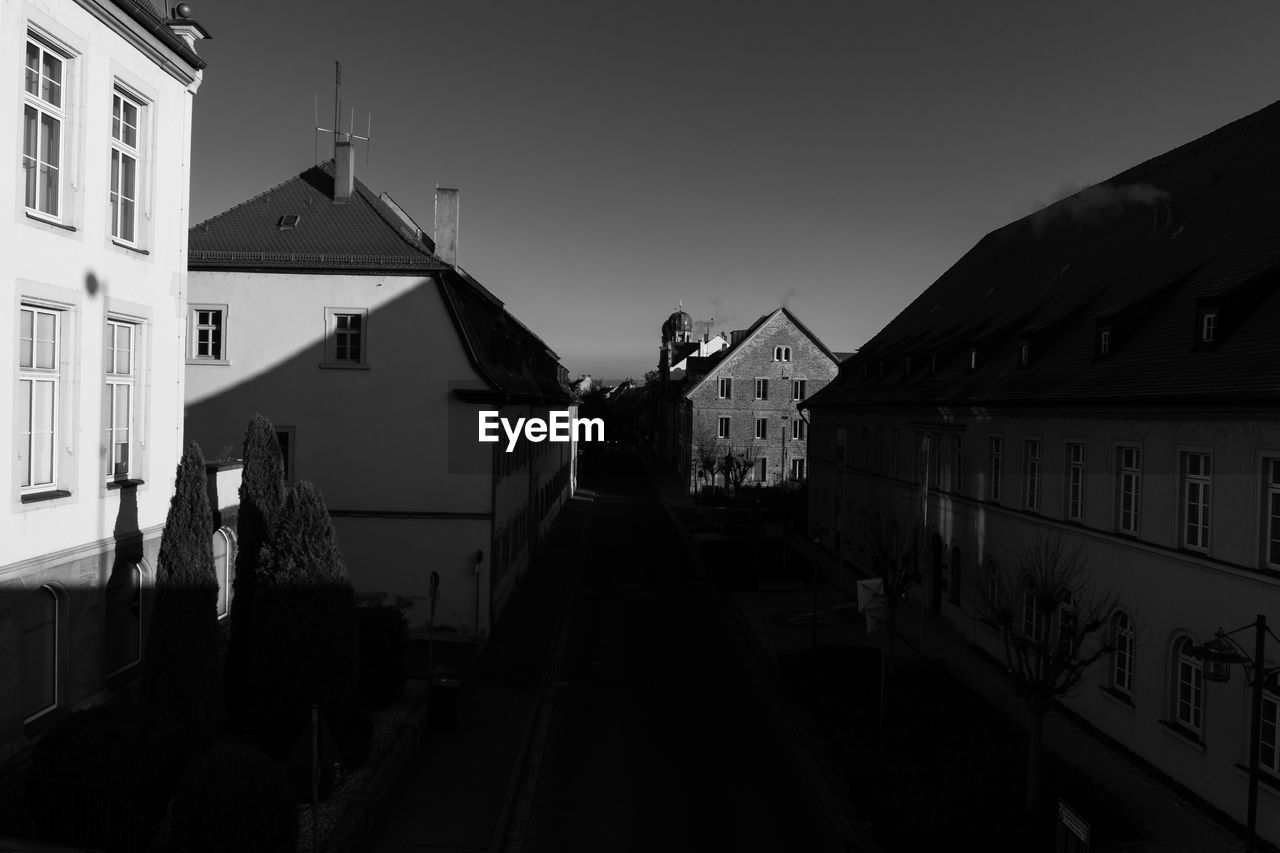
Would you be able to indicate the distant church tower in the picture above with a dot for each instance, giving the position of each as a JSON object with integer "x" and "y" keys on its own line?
{"x": 678, "y": 329}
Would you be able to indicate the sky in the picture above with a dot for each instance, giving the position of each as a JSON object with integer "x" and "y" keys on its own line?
{"x": 616, "y": 158}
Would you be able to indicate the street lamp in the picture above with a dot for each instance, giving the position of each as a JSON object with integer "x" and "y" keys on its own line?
{"x": 1218, "y": 655}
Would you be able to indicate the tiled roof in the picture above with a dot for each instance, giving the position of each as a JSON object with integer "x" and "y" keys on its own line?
{"x": 1197, "y": 228}
{"x": 366, "y": 233}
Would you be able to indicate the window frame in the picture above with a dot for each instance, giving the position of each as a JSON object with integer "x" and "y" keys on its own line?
{"x": 1201, "y": 485}
{"x": 995, "y": 467}
{"x": 193, "y": 332}
{"x": 956, "y": 472}
{"x": 725, "y": 388}
{"x": 722, "y": 427}
{"x": 799, "y": 429}
{"x": 762, "y": 429}
{"x": 1129, "y": 474}
{"x": 799, "y": 390}
{"x": 1031, "y": 473}
{"x": 1077, "y": 482}
{"x": 55, "y": 112}
{"x": 121, "y": 150}
{"x": 224, "y": 576}
{"x": 1123, "y": 644}
{"x": 1271, "y": 513}
{"x": 1270, "y": 720}
{"x": 55, "y": 376}
{"x": 129, "y": 381}
{"x": 1188, "y": 672}
{"x": 762, "y": 388}
{"x": 331, "y": 332}
{"x": 798, "y": 467}
{"x": 55, "y": 630}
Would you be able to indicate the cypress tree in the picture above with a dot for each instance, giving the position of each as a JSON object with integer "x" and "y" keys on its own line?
{"x": 261, "y": 495}
{"x": 180, "y": 675}
{"x": 303, "y": 642}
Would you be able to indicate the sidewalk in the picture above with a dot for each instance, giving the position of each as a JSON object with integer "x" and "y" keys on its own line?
{"x": 1168, "y": 822}
{"x": 454, "y": 792}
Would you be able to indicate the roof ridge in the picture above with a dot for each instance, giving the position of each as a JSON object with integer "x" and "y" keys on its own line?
{"x": 377, "y": 204}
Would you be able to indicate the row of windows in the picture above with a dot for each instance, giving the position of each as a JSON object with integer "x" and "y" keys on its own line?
{"x": 1186, "y": 699}
{"x": 42, "y": 389}
{"x": 799, "y": 389}
{"x": 45, "y": 114}
{"x": 799, "y": 429}
{"x": 346, "y": 336}
{"x": 940, "y": 462}
{"x": 524, "y": 451}
{"x": 45, "y": 620}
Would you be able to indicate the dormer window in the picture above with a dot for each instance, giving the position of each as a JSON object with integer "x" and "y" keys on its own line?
{"x": 906, "y": 368}
{"x": 882, "y": 370}
{"x": 933, "y": 363}
{"x": 866, "y": 369}
{"x": 288, "y": 222}
{"x": 1024, "y": 353}
{"x": 1208, "y": 327}
{"x": 973, "y": 358}
{"x": 1104, "y": 341}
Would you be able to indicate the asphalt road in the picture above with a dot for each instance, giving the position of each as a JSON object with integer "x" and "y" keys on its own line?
{"x": 652, "y": 738}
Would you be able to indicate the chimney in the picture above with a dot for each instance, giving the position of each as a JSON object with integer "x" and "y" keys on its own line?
{"x": 736, "y": 335}
{"x": 446, "y": 233}
{"x": 344, "y": 168}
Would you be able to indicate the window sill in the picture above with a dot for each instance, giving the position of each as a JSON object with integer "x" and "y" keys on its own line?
{"x": 125, "y": 484}
{"x": 211, "y": 361}
{"x": 52, "y": 495}
{"x": 1185, "y": 735}
{"x": 51, "y": 223}
{"x": 1266, "y": 780}
{"x": 343, "y": 365}
{"x": 1119, "y": 697}
{"x": 43, "y": 721}
{"x": 129, "y": 248}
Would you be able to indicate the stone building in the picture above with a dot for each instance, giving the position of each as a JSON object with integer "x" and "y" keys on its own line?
{"x": 1108, "y": 370}
{"x": 742, "y": 400}
{"x": 101, "y": 93}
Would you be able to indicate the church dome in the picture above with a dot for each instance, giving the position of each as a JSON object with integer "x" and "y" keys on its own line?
{"x": 679, "y": 321}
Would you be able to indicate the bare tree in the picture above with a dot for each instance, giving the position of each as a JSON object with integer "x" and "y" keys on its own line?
{"x": 893, "y": 550}
{"x": 1054, "y": 626}
{"x": 707, "y": 454}
{"x": 736, "y": 467}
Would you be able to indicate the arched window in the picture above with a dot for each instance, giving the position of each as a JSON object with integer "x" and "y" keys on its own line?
{"x": 1188, "y": 688}
{"x": 222, "y": 569}
{"x": 124, "y": 616}
{"x": 39, "y": 658}
{"x": 1122, "y": 653}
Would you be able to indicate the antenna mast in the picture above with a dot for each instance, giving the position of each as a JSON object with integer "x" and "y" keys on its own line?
{"x": 336, "y": 130}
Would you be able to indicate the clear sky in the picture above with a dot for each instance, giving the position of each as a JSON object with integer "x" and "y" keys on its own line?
{"x": 615, "y": 157}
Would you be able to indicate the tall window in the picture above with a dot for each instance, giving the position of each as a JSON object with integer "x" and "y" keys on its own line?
{"x": 39, "y": 375}
{"x": 43, "y": 113}
{"x": 1066, "y": 617}
{"x": 935, "y": 451}
{"x": 1208, "y": 327}
{"x": 762, "y": 389}
{"x": 762, "y": 428}
{"x": 722, "y": 428}
{"x": 39, "y": 657}
{"x": 1269, "y": 743}
{"x": 1122, "y": 654}
{"x": 798, "y": 388}
{"x": 124, "y": 167}
{"x": 1031, "y": 467}
{"x": 1188, "y": 699}
{"x": 798, "y": 429}
{"x": 1271, "y": 521}
{"x": 922, "y": 458}
{"x": 1130, "y": 486}
{"x": 726, "y": 388}
{"x": 797, "y": 469}
{"x": 895, "y": 452}
{"x": 957, "y": 455}
{"x": 222, "y": 569}
{"x": 348, "y": 337}
{"x": 1104, "y": 341}
{"x": 1032, "y": 615}
{"x": 1075, "y": 481}
{"x": 118, "y": 400}
{"x": 995, "y": 446}
{"x": 124, "y": 616}
{"x": 1197, "y": 471}
{"x": 347, "y": 344}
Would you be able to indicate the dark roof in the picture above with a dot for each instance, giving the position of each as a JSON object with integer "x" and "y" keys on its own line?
{"x": 1195, "y": 229}
{"x": 368, "y": 234}
{"x": 149, "y": 16}
{"x": 365, "y": 234}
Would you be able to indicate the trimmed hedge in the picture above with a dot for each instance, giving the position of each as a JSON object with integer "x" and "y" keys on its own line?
{"x": 384, "y": 640}
{"x": 235, "y": 799}
{"x": 303, "y": 640}
{"x": 180, "y": 677}
{"x": 102, "y": 778}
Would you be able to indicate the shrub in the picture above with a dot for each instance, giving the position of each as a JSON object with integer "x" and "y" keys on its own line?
{"x": 102, "y": 778}
{"x": 233, "y": 799}
{"x": 302, "y": 644}
{"x": 384, "y": 638}
{"x": 180, "y": 673}
{"x": 261, "y": 495}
